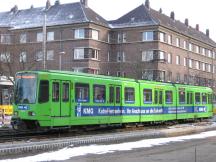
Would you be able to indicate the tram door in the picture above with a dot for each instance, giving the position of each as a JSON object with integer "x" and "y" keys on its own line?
{"x": 158, "y": 100}
{"x": 115, "y": 99}
{"x": 60, "y": 98}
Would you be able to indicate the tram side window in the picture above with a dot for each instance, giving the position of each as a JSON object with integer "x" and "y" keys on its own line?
{"x": 111, "y": 94}
{"x": 118, "y": 94}
{"x": 204, "y": 98}
{"x": 209, "y": 99}
{"x": 147, "y": 96}
{"x": 169, "y": 97}
{"x": 99, "y": 93}
{"x": 55, "y": 92}
{"x": 189, "y": 98}
{"x": 129, "y": 95}
{"x": 182, "y": 97}
{"x": 82, "y": 92}
{"x": 197, "y": 98}
{"x": 65, "y": 92}
{"x": 156, "y": 97}
{"x": 44, "y": 91}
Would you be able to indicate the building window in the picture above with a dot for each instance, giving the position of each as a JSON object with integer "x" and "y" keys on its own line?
{"x": 181, "y": 96}
{"x": 169, "y": 58}
{"x": 203, "y": 67}
{"x": 121, "y": 37}
{"x": 108, "y": 57}
{"x": 178, "y": 77}
{"x": 120, "y": 57}
{"x": 50, "y": 55}
{"x": 185, "y": 45}
{"x": 161, "y": 55}
{"x": 210, "y": 53}
{"x": 197, "y": 49}
{"x": 203, "y": 51}
{"x": 169, "y": 76}
{"x": 209, "y": 67}
{"x": 190, "y": 47}
{"x": 177, "y": 60}
{"x": 169, "y": 39}
{"x": 23, "y": 38}
{"x": 162, "y": 37}
{"x": 148, "y": 36}
{"x": 50, "y": 36}
{"x": 185, "y": 61}
{"x": 178, "y": 42}
{"x": 23, "y": 57}
{"x": 5, "y": 57}
{"x": 78, "y": 70}
{"x": 109, "y": 38}
{"x": 108, "y": 73}
{"x": 118, "y": 73}
{"x": 197, "y": 65}
{"x": 95, "y": 34}
{"x": 147, "y": 55}
{"x": 148, "y": 74}
{"x": 190, "y": 63}
{"x": 39, "y": 37}
{"x": 79, "y": 33}
{"x": 5, "y": 39}
{"x": 55, "y": 92}
{"x": 95, "y": 54}
{"x": 79, "y": 53}
{"x": 39, "y": 56}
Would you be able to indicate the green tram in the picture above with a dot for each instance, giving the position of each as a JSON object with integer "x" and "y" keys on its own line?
{"x": 49, "y": 99}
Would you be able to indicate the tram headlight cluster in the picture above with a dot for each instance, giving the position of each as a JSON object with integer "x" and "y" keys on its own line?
{"x": 31, "y": 113}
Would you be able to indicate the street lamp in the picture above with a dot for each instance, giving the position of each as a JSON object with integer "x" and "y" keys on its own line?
{"x": 60, "y": 59}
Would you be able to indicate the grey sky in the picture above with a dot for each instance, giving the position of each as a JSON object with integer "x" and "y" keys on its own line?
{"x": 197, "y": 11}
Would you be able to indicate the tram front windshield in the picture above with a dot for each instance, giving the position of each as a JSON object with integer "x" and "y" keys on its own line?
{"x": 25, "y": 88}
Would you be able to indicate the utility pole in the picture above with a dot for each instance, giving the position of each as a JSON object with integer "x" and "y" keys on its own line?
{"x": 44, "y": 39}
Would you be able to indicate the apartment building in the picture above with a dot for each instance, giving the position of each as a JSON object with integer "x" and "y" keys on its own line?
{"x": 142, "y": 44}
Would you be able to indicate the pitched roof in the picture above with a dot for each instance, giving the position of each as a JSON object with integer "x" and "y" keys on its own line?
{"x": 142, "y": 16}
{"x": 56, "y": 15}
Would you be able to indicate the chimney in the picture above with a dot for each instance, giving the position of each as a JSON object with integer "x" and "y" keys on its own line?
{"x": 207, "y": 32}
{"x": 147, "y": 4}
{"x": 48, "y": 5}
{"x": 186, "y": 22}
{"x": 172, "y": 15}
{"x": 57, "y": 2}
{"x": 197, "y": 27}
{"x": 160, "y": 11}
{"x": 84, "y": 2}
{"x": 31, "y": 7}
{"x": 14, "y": 9}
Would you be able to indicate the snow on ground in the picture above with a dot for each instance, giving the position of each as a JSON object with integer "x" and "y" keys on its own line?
{"x": 69, "y": 152}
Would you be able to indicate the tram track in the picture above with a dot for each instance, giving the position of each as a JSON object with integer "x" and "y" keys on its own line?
{"x": 12, "y": 136}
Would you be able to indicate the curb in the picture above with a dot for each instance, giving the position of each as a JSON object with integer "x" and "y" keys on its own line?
{"x": 14, "y": 149}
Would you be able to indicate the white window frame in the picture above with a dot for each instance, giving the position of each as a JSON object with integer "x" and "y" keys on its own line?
{"x": 148, "y": 36}
{"x": 169, "y": 39}
{"x": 162, "y": 37}
{"x": 190, "y": 47}
{"x": 39, "y": 56}
{"x": 147, "y": 55}
{"x": 23, "y": 38}
{"x": 197, "y": 65}
{"x": 50, "y": 36}
{"x": 5, "y": 57}
{"x": 169, "y": 58}
{"x": 178, "y": 62}
{"x": 39, "y": 37}
{"x": 185, "y": 45}
{"x": 190, "y": 63}
{"x": 185, "y": 61}
{"x": 95, "y": 34}
{"x": 79, "y": 53}
{"x": 5, "y": 38}
{"x": 50, "y": 54}
{"x": 178, "y": 42}
{"x": 23, "y": 57}
{"x": 79, "y": 33}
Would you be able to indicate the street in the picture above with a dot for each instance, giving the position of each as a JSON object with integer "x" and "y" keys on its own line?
{"x": 173, "y": 152}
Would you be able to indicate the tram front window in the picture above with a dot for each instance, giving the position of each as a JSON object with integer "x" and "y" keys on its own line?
{"x": 25, "y": 89}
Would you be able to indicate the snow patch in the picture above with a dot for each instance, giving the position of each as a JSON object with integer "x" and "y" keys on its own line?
{"x": 69, "y": 152}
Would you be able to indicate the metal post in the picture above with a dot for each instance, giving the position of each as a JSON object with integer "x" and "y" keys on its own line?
{"x": 44, "y": 40}
{"x": 60, "y": 59}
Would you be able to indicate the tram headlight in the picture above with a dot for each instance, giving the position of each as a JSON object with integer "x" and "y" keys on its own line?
{"x": 15, "y": 113}
{"x": 31, "y": 113}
